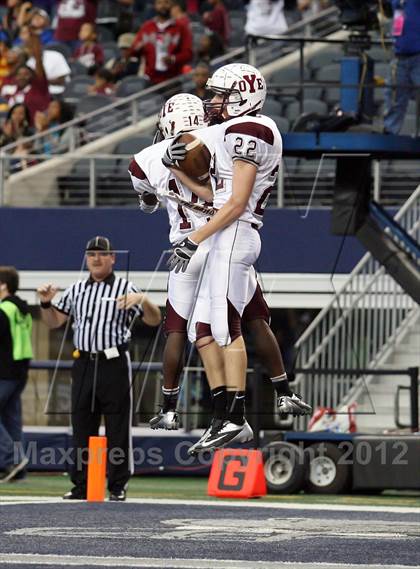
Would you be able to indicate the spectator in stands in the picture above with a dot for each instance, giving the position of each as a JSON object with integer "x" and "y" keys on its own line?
{"x": 15, "y": 17}
{"x": 161, "y": 45}
{"x": 104, "y": 83}
{"x": 58, "y": 112}
{"x": 71, "y": 14}
{"x": 265, "y": 17}
{"x": 29, "y": 86}
{"x": 39, "y": 22}
{"x": 47, "y": 5}
{"x": 217, "y": 20}
{"x": 16, "y": 57}
{"x": 209, "y": 47}
{"x": 4, "y": 61}
{"x": 16, "y": 125}
{"x": 57, "y": 70}
{"x": 15, "y": 354}
{"x": 125, "y": 64}
{"x": 200, "y": 76}
{"x": 179, "y": 14}
{"x": 89, "y": 53}
{"x": 405, "y": 68}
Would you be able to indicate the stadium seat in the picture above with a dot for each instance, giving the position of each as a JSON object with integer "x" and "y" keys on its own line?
{"x": 150, "y": 104}
{"x": 90, "y": 103}
{"x": 281, "y": 78}
{"x": 107, "y": 12}
{"x": 77, "y": 68}
{"x": 105, "y": 34}
{"x": 325, "y": 57}
{"x": 77, "y": 88}
{"x": 281, "y": 122}
{"x": 133, "y": 145}
{"x": 381, "y": 70}
{"x": 309, "y": 106}
{"x": 131, "y": 85}
{"x": 330, "y": 73}
{"x": 379, "y": 54}
{"x": 62, "y": 48}
{"x": 110, "y": 49}
{"x": 272, "y": 107}
{"x": 409, "y": 125}
{"x": 237, "y": 37}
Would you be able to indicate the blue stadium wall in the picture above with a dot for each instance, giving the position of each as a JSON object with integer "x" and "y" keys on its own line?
{"x": 54, "y": 239}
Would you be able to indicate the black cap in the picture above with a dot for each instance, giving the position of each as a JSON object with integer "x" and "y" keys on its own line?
{"x": 99, "y": 243}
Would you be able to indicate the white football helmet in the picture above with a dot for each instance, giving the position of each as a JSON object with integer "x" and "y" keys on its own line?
{"x": 181, "y": 113}
{"x": 242, "y": 87}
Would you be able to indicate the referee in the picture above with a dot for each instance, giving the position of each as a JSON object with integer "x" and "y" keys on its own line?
{"x": 102, "y": 308}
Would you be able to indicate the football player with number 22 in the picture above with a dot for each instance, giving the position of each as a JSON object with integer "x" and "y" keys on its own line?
{"x": 247, "y": 154}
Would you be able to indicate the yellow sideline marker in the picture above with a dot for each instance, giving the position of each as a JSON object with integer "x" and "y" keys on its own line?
{"x": 96, "y": 469}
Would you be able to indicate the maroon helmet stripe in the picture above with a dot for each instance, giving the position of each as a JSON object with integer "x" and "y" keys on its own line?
{"x": 136, "y": 171}
{"x": 252, "y": 129}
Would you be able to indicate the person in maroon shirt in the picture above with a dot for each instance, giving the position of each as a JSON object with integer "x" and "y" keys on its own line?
{"x": 217, "y": 20}
{"x": 71, "y": 15}
{"x": 162, "y": 44}
{"x": 104, "y": 83}
{"x": 89, "y": 53}
{"x": 29, "y": 86}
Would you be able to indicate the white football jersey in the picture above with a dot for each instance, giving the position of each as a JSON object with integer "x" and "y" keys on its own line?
{"x": 148, "y": 174}
{"x": 254, "y": 139}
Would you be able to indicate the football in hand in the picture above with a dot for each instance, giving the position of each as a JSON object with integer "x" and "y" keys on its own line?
{"x": 196, "y": 164}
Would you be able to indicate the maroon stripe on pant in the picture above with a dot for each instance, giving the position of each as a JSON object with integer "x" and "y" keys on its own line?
{"x": 257, "y": 308}
{"x": 234, "y": 322}
{"x": 203, "y": 330}
{"x": 173, "y": 321}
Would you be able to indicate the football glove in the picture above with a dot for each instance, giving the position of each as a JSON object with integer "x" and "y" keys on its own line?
{"x": 175, "y": 153}
{"x": 181, "y": 255}
{"x": 145, "y": 207}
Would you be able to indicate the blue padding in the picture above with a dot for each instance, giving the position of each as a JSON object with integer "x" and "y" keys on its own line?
{"x": 293, "y": 241}
{"x": 312, "y": 145}
{"x": 349, "y": 96}
{"x": 49, "y": 451}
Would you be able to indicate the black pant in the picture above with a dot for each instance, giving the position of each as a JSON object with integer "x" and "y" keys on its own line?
{"x": 106, "y": 392}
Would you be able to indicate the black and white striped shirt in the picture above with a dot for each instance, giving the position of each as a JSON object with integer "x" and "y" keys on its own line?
{"x": 97, "y": 322}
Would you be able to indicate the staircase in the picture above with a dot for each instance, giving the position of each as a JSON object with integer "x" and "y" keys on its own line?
{"x": 371, "y": 323}
{"x": 376, "y": 405}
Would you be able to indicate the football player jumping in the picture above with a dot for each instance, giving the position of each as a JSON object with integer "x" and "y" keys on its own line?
{"x": 246, "y": 161}
{"x": 154, "y": 183}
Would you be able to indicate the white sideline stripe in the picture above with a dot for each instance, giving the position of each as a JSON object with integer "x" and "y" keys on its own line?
{"x": 15, "y": 500}
{"x": 81, "y": 560}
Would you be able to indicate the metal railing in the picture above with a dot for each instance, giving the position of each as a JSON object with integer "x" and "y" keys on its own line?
{"x": 97, "y": 180}
{"x": 362, "y": 323}
{"x": 129, "y": 110}
{"x": 76, "y": 180}
{"x": 143, "y": 407}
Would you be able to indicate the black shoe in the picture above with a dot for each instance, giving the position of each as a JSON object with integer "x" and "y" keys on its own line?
{"x": 119, "y": 496}
{"x": 197, "y": 447}
{"x": 225, "y": 434}
{"x": 75, "y": 494}
{"x": 11, "y": 472}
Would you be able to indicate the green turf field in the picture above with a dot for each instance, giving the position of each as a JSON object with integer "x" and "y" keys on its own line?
{"x": 194, "y": 488}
